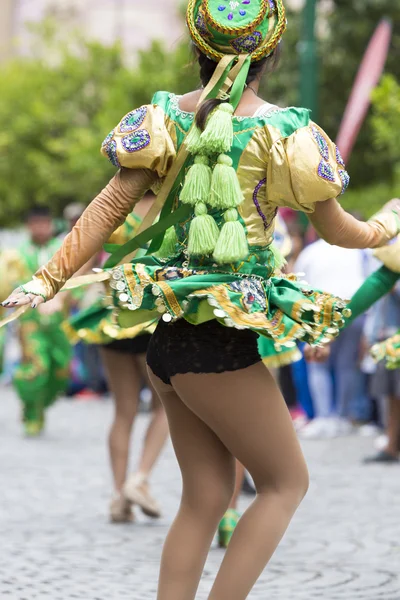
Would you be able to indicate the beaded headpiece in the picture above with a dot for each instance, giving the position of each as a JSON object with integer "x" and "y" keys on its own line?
{"x": 221, "y": 27}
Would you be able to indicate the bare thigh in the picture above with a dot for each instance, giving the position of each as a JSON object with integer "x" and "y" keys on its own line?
{"x": 248, "y": 414}
{"x": 205, "y": 462}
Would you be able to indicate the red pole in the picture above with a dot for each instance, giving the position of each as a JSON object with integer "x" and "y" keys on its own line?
{"x": 367, "y": 79}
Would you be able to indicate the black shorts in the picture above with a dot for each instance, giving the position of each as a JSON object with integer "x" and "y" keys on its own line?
{"x": 179, "y": 347}
{"x": 137, "y": 345}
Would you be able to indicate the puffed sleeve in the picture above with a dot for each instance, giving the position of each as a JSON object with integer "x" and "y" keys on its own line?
{"x": 304, "y": 168}
{"x": 141, "y": 140}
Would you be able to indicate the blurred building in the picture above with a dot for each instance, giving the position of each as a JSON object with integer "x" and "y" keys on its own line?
{"x": 134, "y": 22}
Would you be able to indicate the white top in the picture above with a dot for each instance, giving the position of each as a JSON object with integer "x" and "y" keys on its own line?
{"x": 332, "y": 269}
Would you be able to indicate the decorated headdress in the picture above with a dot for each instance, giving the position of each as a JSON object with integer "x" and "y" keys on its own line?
{"x": 233, "y": 33}
{"x": 221, "y": 27}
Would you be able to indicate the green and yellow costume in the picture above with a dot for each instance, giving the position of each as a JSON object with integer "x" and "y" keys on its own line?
{"x": 96, "y": 324}
{"x": 221, "y": 187}
{"x": 43, "y": 372}
{"x": 278, "y": 160}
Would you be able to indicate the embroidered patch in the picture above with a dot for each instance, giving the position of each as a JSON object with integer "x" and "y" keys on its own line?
{"x": 246, "y": 44}
{"x": 201, "y": 23}
{"x": 136, "y": 141}
{"x": 252, "y": 292}
{"x": 326, "y": 171}
{"x": 345, "y": 177}
{"x": 321, "y": 141}
{"x": 133, "y": 120}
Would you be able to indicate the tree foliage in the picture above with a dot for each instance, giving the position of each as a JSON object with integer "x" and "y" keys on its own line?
{"x": 58, "y": 105}
{"x": 56, "y": 110}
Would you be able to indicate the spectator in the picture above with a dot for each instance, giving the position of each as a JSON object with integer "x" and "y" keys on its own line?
{"x": 383, "y": 322}
{"x": 336, "y": 382}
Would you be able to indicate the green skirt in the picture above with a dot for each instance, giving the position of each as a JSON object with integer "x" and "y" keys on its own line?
{"x": 248, "y": 295}
{"x": 389, "y": 351}
{"x": 97, "y": 325}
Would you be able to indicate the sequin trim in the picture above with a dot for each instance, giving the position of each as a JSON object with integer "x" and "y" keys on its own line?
{"x": 326, "y": 171}
{"x": 339, "y": 158}
{"x": 345, "y": 177}
{"x": 108, "y": 139}
{"x": 136, "y": 141}
{"x": 257, "y": 204}
{"x": 321, "y": 141}
{"x": 174, "y": 101}
{"x": 111, "y": 150}
{"x": 247, "y": 44}
{"x": 133, "y": 120}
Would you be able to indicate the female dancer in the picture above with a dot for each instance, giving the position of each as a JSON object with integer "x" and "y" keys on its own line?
{"x": 123, "y": 353}
{"x": 224, "y": 181}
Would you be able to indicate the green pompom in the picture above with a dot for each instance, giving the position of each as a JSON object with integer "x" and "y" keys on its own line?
{"x": 218, "y": 134}
{"x": 168, "y": 245}
{"x": 225, "y": 187}
{"x": 192, "y": 141}
{"x": 232, "y": 243}
{"x": 203, "y": 232}
{"x": 279, "y": 259}
{"x": 197, "y": 186}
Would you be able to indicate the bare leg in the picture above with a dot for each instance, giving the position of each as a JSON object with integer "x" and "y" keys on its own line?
{"x": 208, "y": 481}
{"x": 157, "y": 431}
{"x": 248, "y": 414}
{"x": 124, "y": 380}
{"x": 393, "y": 426}
{"x": 238, "y": 485}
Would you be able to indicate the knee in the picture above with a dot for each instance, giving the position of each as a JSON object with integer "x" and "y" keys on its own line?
{"x": 211, "y": 501}
{"x": 291, "y": 487}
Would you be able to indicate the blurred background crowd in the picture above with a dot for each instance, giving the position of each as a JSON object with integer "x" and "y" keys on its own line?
{"x": 70, "y": 68}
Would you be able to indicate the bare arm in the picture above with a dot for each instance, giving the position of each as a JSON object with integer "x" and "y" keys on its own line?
{"x": 339, "y": 228}
{"x": 104, "y": 214}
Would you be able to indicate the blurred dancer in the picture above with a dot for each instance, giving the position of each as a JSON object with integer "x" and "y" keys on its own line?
{"x": 381, "y": 283}
{"x": 45, "y": 351}
{"x": 216, "y": 291}
{"x": 123, "y": 353}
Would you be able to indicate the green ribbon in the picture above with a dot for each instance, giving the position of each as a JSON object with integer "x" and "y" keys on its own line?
{"x": 180, "y": 214}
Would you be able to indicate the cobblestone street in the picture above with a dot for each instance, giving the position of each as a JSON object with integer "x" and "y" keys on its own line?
{"x": 56, "y": 542}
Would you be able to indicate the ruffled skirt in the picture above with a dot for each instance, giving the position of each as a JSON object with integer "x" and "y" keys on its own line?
{"x": 389, "y": 351}
{"x": 249, "y": 295}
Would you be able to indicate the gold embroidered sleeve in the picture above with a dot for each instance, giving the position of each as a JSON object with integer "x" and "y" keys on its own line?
{"x": 102, "y": 217}
{"x": 305, "y": 168}
{"x": 141, "y": 141}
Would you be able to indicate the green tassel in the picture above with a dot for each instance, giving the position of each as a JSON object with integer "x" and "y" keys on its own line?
{"x": 203, "y": 232}
{"x": 192, "y": 141}
{"x": 218, "y": 134}
{"x": 279, "y": 259}
{"x": 225, "y": 187}
{"x": 232, "y": 243}
{"x": 167, "y": 248}
{"x": 197, "y": 182}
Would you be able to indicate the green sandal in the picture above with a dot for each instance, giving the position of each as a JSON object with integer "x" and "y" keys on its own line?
{"x": 227, "y": 527}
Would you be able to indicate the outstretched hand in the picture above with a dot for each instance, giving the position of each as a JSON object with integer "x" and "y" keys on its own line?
{"x": 31, "y": 293}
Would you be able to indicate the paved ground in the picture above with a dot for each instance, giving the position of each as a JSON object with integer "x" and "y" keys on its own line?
{"x": 56, "y": 543}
